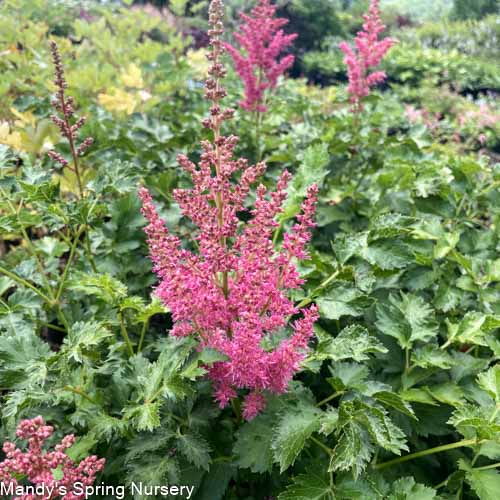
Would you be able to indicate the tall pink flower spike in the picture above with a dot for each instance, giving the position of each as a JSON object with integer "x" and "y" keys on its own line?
{"x": 232, "y": 294}
{"x": 38, "y": 465}
{"x": 257, "y": 63}
{"x": 368, "y": 54}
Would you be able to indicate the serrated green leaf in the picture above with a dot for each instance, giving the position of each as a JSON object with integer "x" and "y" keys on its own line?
{"x": 103, "y": 286}
{"x": 195, "y": 448}
{"x": 431, "y": 356}
{"x": 406, "y": 488}
{"x": 352, "y": 451}
{"x": 329, "y": 421}
{"x": 145, "y": 416}
{"x": 395, "y": 401}
{"x": 309, "y": 486}
{"x": 253, "y": 444}
{"x": 353, "y": 342}
{"x": 448, "y": 393}
{"x": 490, "y": 382}
{"x": 343, "y": 300}
{"x": 82, "y": 337}
{"x": 295, "y": 426}
{"x": 348, "y": 376}
{"x": 486, "y": 483}
{"x": 408, "y": 319}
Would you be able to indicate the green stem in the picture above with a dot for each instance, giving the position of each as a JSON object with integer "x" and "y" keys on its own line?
{"x": 79, "y": 392}
{"x": 25, "y": 283}
{"x": 143, "y": 333}
{"x": 329, "y": 398}
{"x": 53, "y": 327}
{"x": 88, "y": 252}
{"x": 277, "y": 233}
{"x": 236, "y": 406}
{"x": 124, "y": 333}
{"x": 486, "y": 467}
{"x": 325, "y": 448}
{"x": 322, "y": 285}
{"x": 429, "y": 451}
{"x": 407, "y": 360}
{"x": 68, "y": 264}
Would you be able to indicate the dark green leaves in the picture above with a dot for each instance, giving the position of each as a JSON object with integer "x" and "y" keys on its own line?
{"x": 294, "y": 427}
{"x": 353, "y": 342}
{"x": 408, "y": 319}
{"x": 343, "y": 299}
{"x": 309, "y": 486}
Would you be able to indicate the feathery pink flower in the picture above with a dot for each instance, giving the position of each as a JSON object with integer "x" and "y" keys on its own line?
{"x": 233, "y": 293}
{"x": 38, "y": 465}
{"x": 257, "y": 61}
{"x": 368, "y": 54}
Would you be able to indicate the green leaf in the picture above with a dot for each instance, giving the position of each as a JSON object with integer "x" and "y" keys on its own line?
{"x": 81, "y": 447}
{"x": 312, "y": 169}
{"x": 445, "y": 244}
{"x": 395, "y": 401}
{"x": 253, "y": 444}
{"x": 343, "y": 300}
{"x": 486, "y": 483}
{"x": 329, "y": 421}
{"x": 295, "y": 426}
{"x": 431, "y": 356}
{"x": 476, "y": 422}
{"x": 195, "y": 449}
{"x": 352, "y": 451}
{"x": 406, "y": 488}
{"x": 82, "y": 339}
{"x": 361, "y": 427}
{"x": 348, "y": 376}
{"x": 57, "y": 473}
{"x": 309, "y": 486}
{"x": 381, "y": 428}
{"x": 103, "y": 286}
{"x": 418, "y": 396}
{"x": 353, "y": 342}
{"x": 448, "y": 393}
{"x": 155, "y": 307}
{"x": 472, "y": 328}
{"x": 490, "y": 382}
{"x": 145, "y": 416}
{"x": 51, "y": 247}
{"x": 408, "y": 319}
{"x": 23, "y": 360}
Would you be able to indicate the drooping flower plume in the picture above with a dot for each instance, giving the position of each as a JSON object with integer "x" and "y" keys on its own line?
{"x": 367, "y": 55}
{"x": 257, "y": 62}
{"x": 38, "y": 465}
{"x": 232, "y": 294}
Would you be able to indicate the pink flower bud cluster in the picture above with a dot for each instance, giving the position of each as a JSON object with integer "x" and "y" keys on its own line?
{"x": 257, "y": 62}
{"x": 232, "y": 294}
{"x": 65, "y": 106}
{"x": 368, "y": 54}
{"x": 37, "y": 465}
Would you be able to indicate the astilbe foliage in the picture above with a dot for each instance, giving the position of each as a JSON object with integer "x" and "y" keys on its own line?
{"x": 368, "y": 53}
{"x": 257, "y": 62}
{"x": 232, "y": 294}
{"x": 37, "y": 464}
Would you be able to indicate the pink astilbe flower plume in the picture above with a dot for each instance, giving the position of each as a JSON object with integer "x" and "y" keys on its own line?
{"x": 257, "y": 62}
{"x": 233, "y": 293}
{"x": 368, "y": 54}
{"x": 37, "y": 465}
